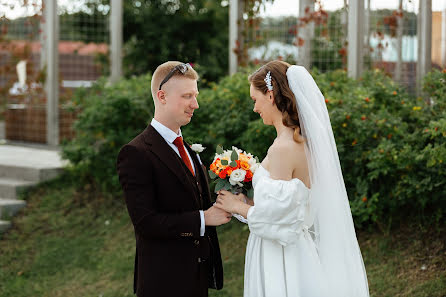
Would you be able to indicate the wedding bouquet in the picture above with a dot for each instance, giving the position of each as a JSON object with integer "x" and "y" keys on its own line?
{"x": 233, "y": 171}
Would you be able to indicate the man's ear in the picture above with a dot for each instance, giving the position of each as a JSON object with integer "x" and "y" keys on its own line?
{"x": 161, "y": 96}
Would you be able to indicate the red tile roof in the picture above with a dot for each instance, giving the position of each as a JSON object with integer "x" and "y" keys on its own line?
{"x": 65, "y": 47}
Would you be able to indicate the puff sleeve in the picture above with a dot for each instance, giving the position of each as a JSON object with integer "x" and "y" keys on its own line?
{"x": 279, "y": 210}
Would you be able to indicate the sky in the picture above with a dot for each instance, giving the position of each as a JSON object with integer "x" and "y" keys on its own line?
{"x": 291, "y": 7}
{"x": 279, "y": 8}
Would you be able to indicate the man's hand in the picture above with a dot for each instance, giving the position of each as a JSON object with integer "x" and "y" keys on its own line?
{"x": 215, "y": 216}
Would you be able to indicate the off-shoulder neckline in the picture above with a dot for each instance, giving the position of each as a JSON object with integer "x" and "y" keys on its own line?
{"x": 295, "y": 178}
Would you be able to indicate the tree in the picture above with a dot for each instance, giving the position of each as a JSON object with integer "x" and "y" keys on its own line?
{"x": 194, "y": 31}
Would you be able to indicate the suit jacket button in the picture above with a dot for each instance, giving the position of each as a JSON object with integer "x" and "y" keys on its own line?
{"x": 199, "y": 260}
{"x": 197, "y": 242}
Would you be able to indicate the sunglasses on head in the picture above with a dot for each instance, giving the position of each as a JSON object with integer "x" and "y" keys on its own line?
{"x": 182, "y": 68}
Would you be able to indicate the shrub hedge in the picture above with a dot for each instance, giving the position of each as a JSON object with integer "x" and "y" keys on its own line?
{"x": 391, "y": 144}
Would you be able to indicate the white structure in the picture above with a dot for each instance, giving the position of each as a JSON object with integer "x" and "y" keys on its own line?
{"x": 50, "y": 59}
{"x": 116, "y": 39}
{"x": 52, "y": 71}
{"x": 424, "y": 29}
{"x": 355, "y": 38}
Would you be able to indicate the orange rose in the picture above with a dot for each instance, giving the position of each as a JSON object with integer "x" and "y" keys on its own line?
{"x": 229, "y": 170}
{"x": 222, "y": 174}
{"x": 244, "y": 165}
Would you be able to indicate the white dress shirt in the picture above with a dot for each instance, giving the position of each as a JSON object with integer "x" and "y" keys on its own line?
{"x": 169, "y": 136}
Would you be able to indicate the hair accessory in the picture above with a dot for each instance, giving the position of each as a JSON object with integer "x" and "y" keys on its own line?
{"x": 268, "y": 81}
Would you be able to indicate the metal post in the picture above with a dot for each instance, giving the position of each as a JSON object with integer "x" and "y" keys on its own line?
{"x": 399, "y": 44}
{"x": 367, "y": 26}
{"x": 52, "y": 74}
{"x": 233, "y": 35}
{"x": 306, "y": 33}
{"x": 355, "y": 38}
{"x": 116, "y": 15}
{"x": 424, "y": 33}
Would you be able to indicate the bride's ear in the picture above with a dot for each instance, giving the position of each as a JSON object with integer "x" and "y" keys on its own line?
{"x": 271, "y": 97}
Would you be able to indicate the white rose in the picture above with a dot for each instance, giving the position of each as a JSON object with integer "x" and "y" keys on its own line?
{"x": 253, "y": 164}
{"x": 197, "y": 147}
{"x": 239, "y": 151}
{"x": 237, "y": 176}
{"x": 227, "y": 155}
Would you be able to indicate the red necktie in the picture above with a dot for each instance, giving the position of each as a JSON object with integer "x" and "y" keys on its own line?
{"x": 179, "y": 143}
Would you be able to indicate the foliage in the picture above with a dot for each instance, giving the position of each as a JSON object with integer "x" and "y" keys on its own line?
{"x": 391, "y": 145}
{"x": 158, "y": 31}
{"x": 391, "y": 148}
{"x": 327, "y": 45}
{"x": 111, "y": 116}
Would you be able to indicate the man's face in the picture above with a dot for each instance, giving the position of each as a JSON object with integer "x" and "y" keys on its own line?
{"x": 180, "y": 100}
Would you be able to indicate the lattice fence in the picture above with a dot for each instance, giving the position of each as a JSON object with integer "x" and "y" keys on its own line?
{"x": 390, "y": 37}
{"x": 83, "y": 57}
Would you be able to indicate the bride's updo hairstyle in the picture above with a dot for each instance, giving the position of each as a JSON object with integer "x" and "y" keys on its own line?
{"x": 283, "y": 96}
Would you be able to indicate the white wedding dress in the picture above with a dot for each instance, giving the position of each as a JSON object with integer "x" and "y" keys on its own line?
{"x": 281, "y": 257}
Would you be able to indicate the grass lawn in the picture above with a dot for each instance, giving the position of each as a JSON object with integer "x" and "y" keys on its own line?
{"x": 75, "y": 242}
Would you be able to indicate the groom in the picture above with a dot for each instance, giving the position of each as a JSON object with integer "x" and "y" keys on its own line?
{"x": 167, "y": 196}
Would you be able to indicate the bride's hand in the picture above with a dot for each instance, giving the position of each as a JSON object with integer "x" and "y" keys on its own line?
{"x": 228, "y": 201}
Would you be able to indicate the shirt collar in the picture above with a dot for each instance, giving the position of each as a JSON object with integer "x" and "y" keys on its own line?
{"x": 165, "y": 132}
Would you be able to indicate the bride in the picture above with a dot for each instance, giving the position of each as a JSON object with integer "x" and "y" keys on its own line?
{"x": 302, "y": 241}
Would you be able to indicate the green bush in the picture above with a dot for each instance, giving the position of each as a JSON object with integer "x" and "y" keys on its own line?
{"x": 111, "y": 116}
{"x": 391, "y": 144}
{"x": 391, "y": 162}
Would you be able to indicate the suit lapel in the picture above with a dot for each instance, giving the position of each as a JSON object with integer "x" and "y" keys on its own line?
{"x": 165, "y": 154}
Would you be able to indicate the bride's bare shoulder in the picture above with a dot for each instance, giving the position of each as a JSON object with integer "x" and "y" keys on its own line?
{"x": 279, "y": 156}
{"x": 285, "y": 147}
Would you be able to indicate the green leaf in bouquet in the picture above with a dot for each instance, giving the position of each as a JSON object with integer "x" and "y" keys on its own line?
{"x": 234, "y": 156}
{"x": 224, "y": 162}
{"x": 250, "y": 193}
{"x": 257, "y": 160}
{"x": 227, "y": 185}
{"x": 220, "y": 185}
{"x": 212, "y": 174}
{"x": 233, "y": 164}
{"x": 219, "y": 150}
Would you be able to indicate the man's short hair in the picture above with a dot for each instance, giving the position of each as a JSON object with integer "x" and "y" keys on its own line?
{"x": 163, "y": 70}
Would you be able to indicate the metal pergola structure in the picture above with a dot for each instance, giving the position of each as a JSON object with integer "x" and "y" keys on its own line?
{"x": 358, "y": 19}
{"x": 50, "y": 57}
{"x": 356, "y": 37}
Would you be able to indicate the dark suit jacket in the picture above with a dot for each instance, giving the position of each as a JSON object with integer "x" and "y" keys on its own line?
{"x": 163, "y": 199}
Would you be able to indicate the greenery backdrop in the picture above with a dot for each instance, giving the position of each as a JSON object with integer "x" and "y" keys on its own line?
{"x": 391, "y": 145}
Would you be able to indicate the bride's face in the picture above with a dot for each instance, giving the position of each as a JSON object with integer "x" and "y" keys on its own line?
{"x": 263, "y": 104}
